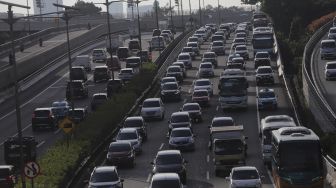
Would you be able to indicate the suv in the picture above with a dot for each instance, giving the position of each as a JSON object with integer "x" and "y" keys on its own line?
{"x": 126, "y": 74}
{"x": 179, "y": 119}
{"x": 161, "y": 180}
{"x": 97, "y": 100}
{"x": 181, "y": 64}
{"x": 7, "y": 176}
{"x": 328, "y": 49}
{"x": 206, "y": 70}
{"x": 210, "y": 57}
{"x": 101, "y": 73}
{"x": 79, "y": 89}
{"x": 262, "y": 62}
{"x": 175, "y": 71}
{"x": 113, "y": 86}
{"x": 194, "y": 110}
{"x": 134, "y": 45}
{"x": 245, "y": 176}
{"x": 83, "y": 61}
{"x": 186, "y": 59}
{"x": 60, "y": 109}
{"x": 265, "y": 74}
{"x": 201, "y": 96}
{"x": 330, "y": 70}
{"x": 167, "y": 79}
{"x": 171, "y": 35}
{"x": 139, "y": 123}
{"x": 156, "y": 32}
{"x": 120, "y": 153}
{"x": 123, "y": 53}
{"x": 205, "y": 84}
{"x": 78, "y": 73}
{"x": 267, "y": 99}
{"x": 103, "y": 176}
{"x": 170, "y": 161}
{"x": 238, "y": 41}
{"x": 222, "y": 122}
{"x": 152, "y": 108}
{"x": 182, "y": 138}
{"x": 170, "y": 90}
{"x": 218, "y": 47}
{"x": 132, "y": 136}
{"x": 99, "y": 55}
{"x": 113, "y": 63}
{"x": 42, "y": 118}
{"x": 132, "y": 62}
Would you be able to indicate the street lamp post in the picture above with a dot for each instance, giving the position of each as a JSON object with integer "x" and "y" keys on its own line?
{"x": 182, "y": 15}
{"x": 218, "y": 7}
{"x": 190, "y": 17}
{"x": 156, "y": 14}
{"x": 200, "y": 12}
{"x": 171, "y": 15}
{"x": 66, "y": 17}
{"x": 28, "y": 18}
{"x": 139, "y": 28}
{"x": 10, "y": 21}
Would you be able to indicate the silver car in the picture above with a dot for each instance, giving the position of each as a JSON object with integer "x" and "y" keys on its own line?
{"x": 130, "y": 135}
{"x": 328, "y": 49}
{"x": 182, "y": 138}
{"x": 330, "y": 70}
{"x": 245, "y": 176}
{"x": 206, "y": 70}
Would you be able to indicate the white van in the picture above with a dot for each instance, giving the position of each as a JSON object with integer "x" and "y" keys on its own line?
{"x": 83, "y": 61}
{"x": 158, "y": 43}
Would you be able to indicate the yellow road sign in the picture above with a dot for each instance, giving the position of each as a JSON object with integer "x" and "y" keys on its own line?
{"x": 67, "y": 125}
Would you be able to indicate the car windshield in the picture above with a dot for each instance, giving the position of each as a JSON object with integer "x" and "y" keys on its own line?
{"x": 202, "y": 83}
{"x": 180, "y": 133}
{"x": 206, "y": 65}
{"x": 239, "y": 41}
{"x": 100, "y": 97}
{"x": 331, "y": 66}
{"x": 166, "y": 183}
{"x": 192, "y": 45}
{"x": 179, "y": 118}
{"x": 98, "y": 52}
{"x": 133, "y": 60}
{"x": 229, "y": 147}
{"x": 127, "y": 136}
{"x": 133, "y": 123}
{"x": 149, "y": 104}
{"x": 193, "y": 39}
{"x": 266, "y": 95}
{"x": 245, "y": 174}
{"x": 168, "y": 80}
{"x": 174, "y": 69}
{"x": 168, "y": 159}
{"x": 183, "y": 57}
{"x": 222, "y": 123}
{"x": 100, "y": 70}
{"x": 191, "y": 107}
{"x": 240, "y": 48}
{"x": 264, "y": 70}
{"x": 187, "y": 50}
{"x": 119, "y": 147}
{"x": 241, "y": 35}
{"x": 218, "y": 37}
{"x": 108, "y": 176}
{"x": 200, "y": 93}
{"x": 128, "y": 71}
{"x": 278, "y": 119}
{"x": 262, "y": 55}
{"x": 170, "y": 86}
{"x": 217, "y": 44}
{"x": 328, "y": 45}
{"x": 209, "y": 55}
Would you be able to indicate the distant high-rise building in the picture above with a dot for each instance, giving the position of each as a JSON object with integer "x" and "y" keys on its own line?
{"x": 46, "y": 6}
{"x": 118, "y": 9}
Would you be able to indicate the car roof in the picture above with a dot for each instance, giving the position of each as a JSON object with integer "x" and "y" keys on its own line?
{"x": 128, "y": 130}
{"x": 133, "y": 57}
{"x": 268, "y": 90}
{"x": 328, "y": 40}
{"x": 222, "y": 118}
{"x": 127, "y": 69}
{"x": 203, "y": 79}
{"x": 6, "y": 166}
{"x": 208, "y": 53}
{"x": 41, "y": 109}
{"x": 205, "y": 63}
{"x": 96, "y": 94}
{"x": 331, "y": 63}
{"x": 264, "y": 67}
{"x": 77, "y": 67}
{"x": 168, "y": 77}
{"x": 165, "y": 176}
{"x": 243, "y": 45}
{"x": 169, "y": 152}
{"x": 173, "y": 66}
{"x": 105, "y": 168}
{"x": 180, "y": 114}
{"x": 134, "y": 118}
{"x": 191, "y": 104}
{"x": 184, "y": 54}
{"x": 239, "y": 168}
{"x": 120, "y": 143}
{"x": 181, "y": 129}
{"x": 152, "y": 99}
{"x": 101, "y": 67}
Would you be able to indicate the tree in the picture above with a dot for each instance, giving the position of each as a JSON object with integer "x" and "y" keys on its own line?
{"x": 87, "y": 8}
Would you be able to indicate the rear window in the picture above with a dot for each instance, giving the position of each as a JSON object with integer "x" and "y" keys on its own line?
{"x": 194, "y": 39}
{"x": 179, "y": 118}
{"x": 183, "y": 57}
{"x": 328, "y": 45}
{"x": 151, "y": 104}
{"x": 245, "y": 174}
{"x": 100, "y": 97}
{"x": 104, "y": 177}
{"x": 191, "y": 107}
{"x": 100, "y": 69}
{"x": 119, "y": 147}
{"x": 209, "y": 55}
{"x": 181, "y": 133}
{"x": 240, "y": 48}
{"x": 217, "y": 44}
{"x": 133, "y": 60}
{"x": 174, "y": 69}
{"x": 192, "y": 45}
{"x": 202, "y": 83}
{"x": 262, "y": 55}
{"x": 200, "y": 93}
{"x": 133, "y": 123}
{"x": 331, "y": 66}
{"x": 222, "y": 122}
{"x": 239, "y": 40}
{"x": 168, "y": 80}
{"x": 266, "y": 95}
{"x": 206, "y": 65}
{"x": 187, "y": 50}
{"x": 264, "y": 70}
{"x": 41, "y": 113}
{"x": 126, "y": 71}
{"x": 170, "y": 86}
{"x": 98, "y": 52}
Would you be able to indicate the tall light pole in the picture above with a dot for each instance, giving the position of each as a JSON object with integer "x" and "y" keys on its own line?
{"x": 156, "y": 13}
{"x": 218, "y": 6}
{"x": 10, "y": 21}
{"x": 28, "y": 18}
{"x": 190, "y": 17}
{"x": 66, "y": 17}
{"x": 139, "y": 28}
{"x": 107, "y": 4}
{"x": 182, "y": 16}
{"x": 200, "y": 12}
{"x": 171, "y": 15}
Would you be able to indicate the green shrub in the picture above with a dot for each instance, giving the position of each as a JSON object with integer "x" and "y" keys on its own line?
{"x": 59, "y": 162}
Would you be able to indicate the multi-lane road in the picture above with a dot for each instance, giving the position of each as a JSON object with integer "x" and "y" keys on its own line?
{"x": 41, "y": 94}
{"x": 200, "y": 167}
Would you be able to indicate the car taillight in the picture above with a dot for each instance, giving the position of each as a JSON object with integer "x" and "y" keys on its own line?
{"x": 10, "y": 179}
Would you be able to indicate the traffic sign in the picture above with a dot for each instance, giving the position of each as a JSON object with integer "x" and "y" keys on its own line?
{"x": 31, "y": 170}
{"x": 67, "y": 125}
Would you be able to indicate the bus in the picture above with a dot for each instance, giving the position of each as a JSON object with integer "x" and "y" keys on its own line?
{"x": 296, "y": 158}
{"x": 263, "y": 41}
{"x": 233, "y": 91}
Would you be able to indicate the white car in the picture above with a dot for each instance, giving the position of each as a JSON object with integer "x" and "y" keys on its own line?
{"x": 105, "y": 176}
{"x": 238, "y": 41}
{"x": 99, "y": 55}
{"x": 264, "y": 74}
{"x": 152, "y": 108}
{"x": 242, "y": 51}
{"x": 206, "y": 70}
{"x": 245, "y": 176}
{"x": 84, "y": 61}
{"x": 262, "y": 55}
{"x": 332, "y": 33}
{"x": 132, "y": 136}
{"x": 232, "y": 72}
{"x": 193, "y": 39}
{"x": 126, "y": 74}
{"x": 170, "y": 34}
{"x": 201, "y": 84}
{"x": 200, "y": 38}
{"x": 330, "y": 70}
{"x": 194, "y": 46}
{"x": 186, "y": 59}
{"x": 328, "y": 49}
{"x": 167, "y": 79}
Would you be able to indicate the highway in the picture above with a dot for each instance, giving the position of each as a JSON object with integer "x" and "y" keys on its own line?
{"x": 41, "y": 94}
{"x": 327, "y": 88}
{"x": 200, "y": 167}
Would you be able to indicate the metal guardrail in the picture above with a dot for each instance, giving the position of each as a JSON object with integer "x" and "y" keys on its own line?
{"x": 164, "y": 60}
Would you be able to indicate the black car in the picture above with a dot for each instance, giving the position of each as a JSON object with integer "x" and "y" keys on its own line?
{"x": 43, "y": 118}
{"x": 79, "y": 89}
{"x": 78, "y": 114}
{"x": 134, "y": 45}
{"x": 123, "y": 53}
{"x": 170, "y": 161}
{"x": 120, "y": 153}
{"x": 114, "y": 86}
{"x": 170, "y": 91}
{"x": 97, "y": 100}
{"x": 7, "y": 176}
{"x": 78, "y": 73}
{"x": 101, "y": 73}
{"x": 139, "y": 123}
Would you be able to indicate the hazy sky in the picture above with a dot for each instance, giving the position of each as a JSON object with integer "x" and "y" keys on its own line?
{"x": 194, "y": 4}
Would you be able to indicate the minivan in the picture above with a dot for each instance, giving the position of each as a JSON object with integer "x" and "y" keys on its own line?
{"x": 84, "y": 61}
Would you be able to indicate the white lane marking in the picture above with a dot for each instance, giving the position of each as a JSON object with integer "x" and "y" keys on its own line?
{"x": 57, "y": 131}
{"x": 207, "y": 175}
{"x": 208, "y": 158}
{"x": 149, "y": 177}
{"x": 196, "y": 74}
{"x": 162, "y": 144}
{"x": 189, "y": 91}
{"x": 217, "y": 108}
{"x": 35, "y": 97}
{"x": 40, "y": 144}
{"x": 185, "y": 100}
{"x": 270, "y": 177}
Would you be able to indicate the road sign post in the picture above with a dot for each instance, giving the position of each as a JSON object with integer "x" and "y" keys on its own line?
{"x": 68, "y": 126}
{"x": 31, "y": 171}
